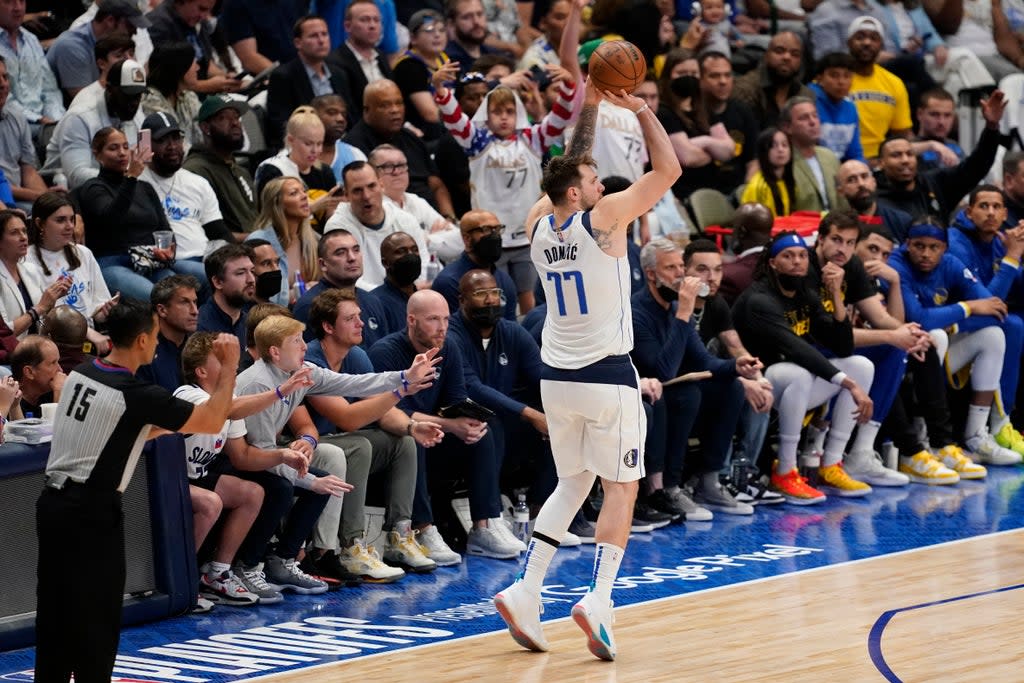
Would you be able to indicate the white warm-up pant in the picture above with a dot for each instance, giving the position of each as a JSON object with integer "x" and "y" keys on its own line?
{"x": 796, "y": 391}
{"x": 963, "y": 70}
{"x": 983, "y": 350}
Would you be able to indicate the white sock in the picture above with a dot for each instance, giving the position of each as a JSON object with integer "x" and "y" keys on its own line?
{"x": 538, "y": 557}
{"x": 977, "y": 419}
{"x": 866, "y": 434}
{"x": 607, "y": 559}
{"x": 218, "y": 568}
{"x": 997, "y": 421}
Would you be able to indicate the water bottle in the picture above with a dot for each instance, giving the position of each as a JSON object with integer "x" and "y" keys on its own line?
{"x": 59, "y": 179}
{"x": 433, "y": 268}
{"x": 521, "y": 520}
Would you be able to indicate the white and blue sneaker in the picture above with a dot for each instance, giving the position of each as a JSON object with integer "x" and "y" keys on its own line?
{"x": 521, "y": 611}
{"x": 596, "y": 620}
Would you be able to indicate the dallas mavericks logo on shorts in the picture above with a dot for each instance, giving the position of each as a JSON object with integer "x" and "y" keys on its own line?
{"x": 631, "y": 458}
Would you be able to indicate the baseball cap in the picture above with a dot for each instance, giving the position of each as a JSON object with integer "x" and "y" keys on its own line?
{"x": 865, "y": 23}
{"x": 129, "y": 76}
{"x": 215, "y": 104}
{"x": 125, "y": 9}
{"x": 587, "y": 49}
{"x": 423, "y": 17}
{"x": 161, "y": 124}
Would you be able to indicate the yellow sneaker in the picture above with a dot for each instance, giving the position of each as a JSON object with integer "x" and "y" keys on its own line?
{"x": 952, "y": 456}
{"x": 922, "y": 468}
{"x": 842, "y": 484}
{"x": 1008, "y": 437}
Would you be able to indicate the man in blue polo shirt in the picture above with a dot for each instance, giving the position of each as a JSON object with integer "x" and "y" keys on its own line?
{"x": 174, "y": 301}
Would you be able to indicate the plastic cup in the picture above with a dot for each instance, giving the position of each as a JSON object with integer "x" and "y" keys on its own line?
{"x": 48, "y": 411}
{"x": 163, "y": 239}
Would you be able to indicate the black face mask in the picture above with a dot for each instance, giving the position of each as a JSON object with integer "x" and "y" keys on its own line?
{"x": 487, "y": 316}
{"x": 406, "y": 269}
{"x": 488, "y": 249}
{"x": 667, "y": 293}
{"x": 685, "y": 87}
{"x": 268, "y": 284}
{"x": 791, "y": 282}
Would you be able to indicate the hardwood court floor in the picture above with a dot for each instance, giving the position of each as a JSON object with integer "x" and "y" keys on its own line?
{"x": 808, "y": 626}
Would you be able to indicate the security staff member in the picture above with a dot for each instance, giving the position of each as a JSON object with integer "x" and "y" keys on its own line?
{"x": 103, "y": 420}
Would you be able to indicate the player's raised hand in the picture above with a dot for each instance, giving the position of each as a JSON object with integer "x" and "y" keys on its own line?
{"x": 624, "y": 99}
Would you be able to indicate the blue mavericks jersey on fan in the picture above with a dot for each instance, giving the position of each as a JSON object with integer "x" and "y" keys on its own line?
{"x": 589, "y": 315}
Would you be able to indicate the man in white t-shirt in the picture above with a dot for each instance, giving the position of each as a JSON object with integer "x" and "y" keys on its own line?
{"x": 370, "y": 220}
{"x": 188, "y": 199}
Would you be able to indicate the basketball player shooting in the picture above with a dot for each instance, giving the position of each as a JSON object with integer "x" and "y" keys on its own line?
{"x": 589, "y": 387}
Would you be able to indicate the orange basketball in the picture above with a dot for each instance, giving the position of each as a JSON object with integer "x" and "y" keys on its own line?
{"x": 617, "y": 65}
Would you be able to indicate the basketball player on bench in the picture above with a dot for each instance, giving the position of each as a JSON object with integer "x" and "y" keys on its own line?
{"x": 589, "y": 386}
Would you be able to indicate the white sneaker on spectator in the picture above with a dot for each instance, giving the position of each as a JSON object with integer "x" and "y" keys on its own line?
{"x": 255, "y": 581}
{"x": 364, "y": 562}
{"x": 486, "y": 541}
{"x": 866, "y": 466}
{"x": 227, "y": 589}
{"x": 435, "y": 548}
{"x": 504, "y": 529}
{"x": 693, "y": 512}
{"x": 402, "y": 549}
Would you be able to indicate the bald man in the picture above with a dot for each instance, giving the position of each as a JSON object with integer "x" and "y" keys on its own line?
{"x": 402, "y": 260}
{"x": 855, "y": 183}
{"x": 67, "y": 328}
{"x": 383, "y": 122}
{"x": 751, "y": 229}
{"x": 468, "y": 448}
{"x": 479, "y": 237}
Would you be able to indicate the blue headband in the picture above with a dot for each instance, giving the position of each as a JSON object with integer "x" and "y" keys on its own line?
{"x": 927, "y": 230}
{"x": 787, "y": 242}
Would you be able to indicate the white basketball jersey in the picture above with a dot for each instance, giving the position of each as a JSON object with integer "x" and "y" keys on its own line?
{"x": 619, "y": 148}
{"x": 589, "y": 315}
{"x": 505, "y": 180}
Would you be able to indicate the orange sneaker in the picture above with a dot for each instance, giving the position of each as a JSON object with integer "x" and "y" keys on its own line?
{"x": 795, "y": 488}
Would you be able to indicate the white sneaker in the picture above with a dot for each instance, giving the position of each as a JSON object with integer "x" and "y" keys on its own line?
{"x": 596, "y": 620}
{"x": 486, "y": 541}
{"x": 986, "y": 450}
{"x": 866, "y": 466}
{"x": 435, "y": 548}
{"x": 504, "y": 529}
{"x": 403, "y": 550}
{"x": 365, "y": 563}
{"x": 226, "y": 588}
{"x": 692, "y": 511}
{"x": 570, "y": 540}
{"x": 521, "y": 610}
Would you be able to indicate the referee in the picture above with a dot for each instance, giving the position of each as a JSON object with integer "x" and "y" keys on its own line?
{"x": 104, "y": 417}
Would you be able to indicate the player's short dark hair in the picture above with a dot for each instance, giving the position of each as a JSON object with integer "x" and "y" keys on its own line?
{"x": 195, "y": 353}
{"x": 257, "y": 242}
{"x": 324, "y": 308}
{"x": 985, "y": 187}
{"x": 28, "y": 353}
{"x": 890, "y": 138}
{"x": 699, "y": 246}
{"x": 163, "y": 291}
{"x": 880, "y": 229}
{"x": 322, "y": 246}
{"x": 615, "y": 183}
{"x": 835, "y": 60}
{"x": 940, "y": 94}
{"x": 128, "y": 319}
{"x": 562, "y": 173}
{"x": 256, "y": 315}
{"x": 217, "y": 262}
{"x": 841, "y": 219}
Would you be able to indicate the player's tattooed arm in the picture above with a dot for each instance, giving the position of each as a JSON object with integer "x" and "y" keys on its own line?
{"x": 583, "y": 137}
{"x": 603, "y": 238}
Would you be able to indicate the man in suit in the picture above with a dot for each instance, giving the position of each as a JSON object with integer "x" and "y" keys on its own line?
{"x": 297, "y": 82}
{"x": 814, "y": 166}
{"x": 358, "y": 57}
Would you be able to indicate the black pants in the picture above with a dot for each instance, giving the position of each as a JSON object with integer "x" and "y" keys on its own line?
{"x": 78, "y": 619}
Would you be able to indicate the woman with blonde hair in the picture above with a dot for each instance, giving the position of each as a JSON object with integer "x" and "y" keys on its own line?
{"x": 300, "y": 158}
{"x": 285, "y": 217}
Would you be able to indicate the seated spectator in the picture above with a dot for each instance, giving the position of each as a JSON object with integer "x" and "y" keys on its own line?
{"x": 188, "y": 200}
{"x": 220, "y": 122}
{"x": 336, "y": 153}
{"x": 988, "y": 35}
{"x": 67, "y": 328}
{"x": 285, "y": 215}
{"x": 883, "y": 105}
{"x": 35, "y": 366}
{"x": 413, "y": 71}
{"x": 778, "y": 319}
{"x": 33, "y": 85}
{"x": 300, "y": 158}
{"x": 832, "y": 23}
{"x": 840, "y": 129}
{"x": 544, "y": 49}
{"x": 400, "y": 257}
{"x": 467, "y": 26}
{"x": 752, "y": 230}
{"x": 260, "y": 34}
{"x": 775, "y": 80}
{"x": 141, "y": 39}
{"x": 341, "y": 24}
{"x": 389, "y": 449}
{"x": 175, "y": 303}
{"x": 70, "y": 148}
{"x": 341, "y": 266}
{"x": 936, "y": 116}
{"x": 481, "y": 235}
{"x": 171, "y": 68}
{"x": 856, "y": 185}
{"x": 393, "y": 171}
{"x": 384, "y": 121}
{"x": 772, "y": 185}
{"x": 176, "y": 21}
{"x": 17, "y": 151}
{"x": 23, "y": 299}
{"x": 296, "y": 82}
{"x": 266, "y": 266}
{"x": 937, "y": 192}
{"x": 229, "y": 270}
{"x": 467, "y": 442}
{"x": 117, "y": 192}
{"x": 55, "y": 255}
{"x": 71, "y": 54}
{"x": 108, "y": 51}
{"x": 370, "y": 220}
{"x": 358, "y": 56}
{"x": 814, "y": 166}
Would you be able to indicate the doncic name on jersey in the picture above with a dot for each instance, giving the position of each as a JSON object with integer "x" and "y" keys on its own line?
{"x": 561, "y": 252}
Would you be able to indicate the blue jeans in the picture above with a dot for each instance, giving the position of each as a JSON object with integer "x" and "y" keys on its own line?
{"x": 121, "y": 277}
